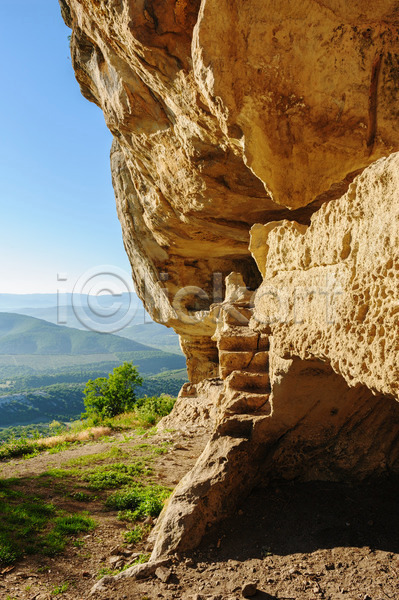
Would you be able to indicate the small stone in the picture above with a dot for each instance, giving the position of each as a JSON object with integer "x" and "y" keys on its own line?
{"x": 189, "y": 562}
{"x": 114, "y": 560}
{"x": 134, "y": 556}
{"x": 163, "y": 573}
{"x": 249, "y": 589}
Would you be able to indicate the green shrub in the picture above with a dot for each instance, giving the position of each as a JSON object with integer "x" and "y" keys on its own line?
{"x": 151, "y": 409}
{"x": 108, "y": 397}
{"x": 17, "y": 447}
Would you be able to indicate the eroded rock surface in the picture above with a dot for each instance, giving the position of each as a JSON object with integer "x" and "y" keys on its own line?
{"x": 230, "y": 117}
{"x": 331, "y": 291}
{"x": 225, "y": 114}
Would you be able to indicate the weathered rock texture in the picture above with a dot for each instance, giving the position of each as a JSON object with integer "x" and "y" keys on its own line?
{"x": 224, "y": 114}
{"x": 331, "y": 290}
{"x": 280, "y": 415}
{"x": 230, "y": 117}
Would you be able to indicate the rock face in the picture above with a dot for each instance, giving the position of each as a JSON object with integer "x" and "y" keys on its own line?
{"x": 331, "y": 290}
{"x": 256, "y": 182}
{"x": 227, "y": 115}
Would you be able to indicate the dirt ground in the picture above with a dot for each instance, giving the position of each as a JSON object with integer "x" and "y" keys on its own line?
{"x": 293, "y": 541}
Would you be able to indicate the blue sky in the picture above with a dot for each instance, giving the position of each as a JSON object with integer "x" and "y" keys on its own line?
{"x": 57, "y": 205}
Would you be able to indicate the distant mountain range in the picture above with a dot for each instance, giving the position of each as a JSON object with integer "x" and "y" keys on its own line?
{"x": 20, "y": 334}
{"x": 11, "y": 302}
{"x": 62, "y": 311}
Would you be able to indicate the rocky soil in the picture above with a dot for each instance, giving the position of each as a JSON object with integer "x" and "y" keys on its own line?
{"x": 316, "y": 540}
{"x": 291, "y": 542}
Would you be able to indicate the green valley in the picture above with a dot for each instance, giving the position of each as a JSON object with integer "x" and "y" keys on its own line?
{"x": 44, "y": 367}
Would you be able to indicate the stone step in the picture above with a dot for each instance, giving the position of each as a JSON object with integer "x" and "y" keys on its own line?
{"x": 242, "y": 361}
{"x": 259, "y": 362}
{"x": 237, "y": 316}
{"x": 233, "y": 361}
{"x": 245, "y": 381}
{"x": 251, "y": 341}
{"x": 244, "y": 403}
{"x": 239, "y": 426}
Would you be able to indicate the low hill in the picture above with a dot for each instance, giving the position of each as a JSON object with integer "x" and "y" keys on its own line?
{"x": 20, "y": 334}
{"x": 44, "y": 367}
{"x": 78, "y": 310}
{"x": 153, "y": 334}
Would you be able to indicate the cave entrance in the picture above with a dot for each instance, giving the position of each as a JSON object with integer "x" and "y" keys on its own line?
{"x": 322, "y": 429}
{"x": 328, "y": 460}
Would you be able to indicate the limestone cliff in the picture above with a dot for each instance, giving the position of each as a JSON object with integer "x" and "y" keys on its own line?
{"x": 226, "y": 114}
{"x": 258, "y": 138}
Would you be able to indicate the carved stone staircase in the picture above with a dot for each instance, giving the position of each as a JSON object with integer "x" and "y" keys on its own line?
{"x": 244, "y": 365}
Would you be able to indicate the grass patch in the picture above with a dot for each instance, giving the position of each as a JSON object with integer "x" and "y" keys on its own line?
{"x": 24, "y": 521}
{"x": 60, "y": 447}
{"x": 82, "y": 497}
{"x": 137, "y": 534}
{"x": 30, "y": 524}
{"x": 60, "y": 589}
{"x": 146, "y": 414}
{"x": 59, "y": 473}
{"x": 74, "y": 524}
{"x": 116, "y": 475}
{"x": 143, "y": 558}
{"x": 82, "y": 461}
{"x": 64, "y": 527}
{"x": 135, "y": 503}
